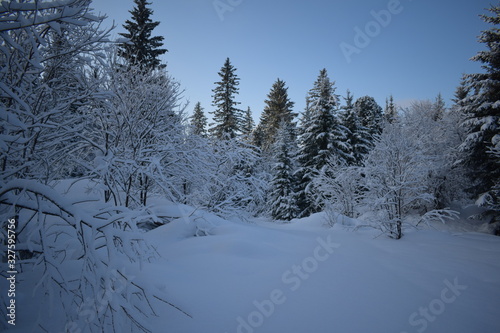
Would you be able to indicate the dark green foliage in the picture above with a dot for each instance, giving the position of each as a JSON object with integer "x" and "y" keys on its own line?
{"x": 198, "y": 121}
{"x": 481, "y": 106}
{"x": 283, "y": 196}
{"x": 247, "y": 125}
{"x": 227, "y": 116}
{"x": 278, "y": 109}
{"x": 358, "y": 136}
{"x": 141, "y": 49}
{"x": 390, "y": 112}
{"x": 322, "y": 136}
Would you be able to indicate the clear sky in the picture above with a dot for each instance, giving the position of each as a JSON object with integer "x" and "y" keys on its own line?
{"x": 412, "y": 49}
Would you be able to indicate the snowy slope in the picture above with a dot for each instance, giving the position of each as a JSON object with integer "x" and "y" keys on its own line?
{"x": 282, "y": 278}
{"x": 302, "y": 277}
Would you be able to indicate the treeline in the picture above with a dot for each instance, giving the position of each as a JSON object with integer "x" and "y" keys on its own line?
{"x": 80, "y": 106}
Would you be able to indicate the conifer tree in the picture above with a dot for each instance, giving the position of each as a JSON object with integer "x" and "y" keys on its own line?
{"x": 199, "y": 121}
{"x": 481, "y": 107}
{"x": 322, "y": 136}
{"x": 227, "y": 116}
{"x": 390, "y": 112}
{"x": 248, "y": 124}
{"x": 438, "y": 108}
{"x": 283, "y": 196}
{"x": 141, "y": 48}
{"x": 370, "y": 114}
{"x": 358, "y": 138}
{"x": 278, "y": 109}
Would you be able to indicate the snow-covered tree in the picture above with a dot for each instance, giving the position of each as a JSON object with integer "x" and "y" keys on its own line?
{"x": 283, "y": 186}
{"x": 198, "y": 121}
{"x": 43, "y": 60}
{"x": 339, "y": 187}
{"x": 140, "y": 48}
{"x": 48, "y": 49}
{"x": 395, "y": 178}
{"x": 358, "y": 137}
{"x": 278, "y": 109}
{"x": 370, "y": 114}
{"x": 136, "y": 134}
{"x": 482, "y": 112}
{"x": 322, "y": 136}
{"x": 227, "y": 116}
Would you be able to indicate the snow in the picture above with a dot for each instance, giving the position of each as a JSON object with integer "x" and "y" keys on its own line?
{"x": 303, "y": 276}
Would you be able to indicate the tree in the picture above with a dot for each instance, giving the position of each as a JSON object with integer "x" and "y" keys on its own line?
{"x": 390, "y": 112}
{"x": 248, "y": 124}
{"x": 227, "y": 116}
{"x": 198, "y": 121}
{"x": 395, "y": 178}
{"x": 358, "y": 136}
{"x": 481, "y": 106}
{"x": 278, "y": 109}
{"x": 322, "y": 136}
{"x": 439, "y": 108}
{"x": 140, "y": 48}
{"x": 370, "y": 114}
{"x": 136, "y": 136}
{"x": 283, "y": 186}
{"x": 46, "y": 91}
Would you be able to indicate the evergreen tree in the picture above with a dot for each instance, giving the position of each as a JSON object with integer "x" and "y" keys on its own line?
{"x": 248, "y": 124}
{"x": 370, "y": 115}
{"x": 358, "y": 138}
{"x": 438, "y": 108}
{"x": 322, "y": 136}
{"x": 141, "y": 48}
{"x": 390, "y": 112}
{"x": 482, "y": 112}
{"x": 199, "y": 121}
{"x": 278, "y": 109}
{"x": 227, "y": 116}
{"x": 283, "y": 196}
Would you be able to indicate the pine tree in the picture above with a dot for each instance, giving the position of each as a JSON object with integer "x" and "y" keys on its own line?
{"x": 482, "y": 112}
{"x": 199, "y": 121}
{"x": 390, "y": 112}
{"x": 358, "y": 138}
{"x": 141, "y": 48}
{"x": 322, "y": 136}
{"x": 227, "y": 116}
{"x": 283, "y": 196}
{"x": 278, "y": 109}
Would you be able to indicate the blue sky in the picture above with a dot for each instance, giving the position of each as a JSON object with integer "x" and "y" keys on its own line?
{"x": 415, "y": 50}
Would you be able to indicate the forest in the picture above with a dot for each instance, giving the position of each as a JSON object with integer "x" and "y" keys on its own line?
{"x": 96, "y": 138}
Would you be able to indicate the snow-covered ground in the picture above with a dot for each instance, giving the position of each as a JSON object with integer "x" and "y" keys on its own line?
{"x": 305, "y": 277}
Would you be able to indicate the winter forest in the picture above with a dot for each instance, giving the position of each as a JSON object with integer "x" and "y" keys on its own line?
{"x": 126, "y": 209}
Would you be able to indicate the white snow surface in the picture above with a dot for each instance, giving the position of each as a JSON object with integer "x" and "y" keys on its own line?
{"x": 303, "y": 277}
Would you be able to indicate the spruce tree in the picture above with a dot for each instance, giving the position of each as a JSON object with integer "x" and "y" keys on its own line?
{"x": 247, "y": 126}
{"x": 283, "y": 196}
{"x": 390, "y": 112}
{"x": 141, "y": 49}
{"x": 198, "y": 121}
{"x": 358, "y": 137}
{"x": 322, "y": 137}
{"x": 370, "y": 114}
{"x": 227, "y": 116}
{"x": 482, "y": 116}
{"x": 278, "y": 109}
{"x": 439, "y": 108}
